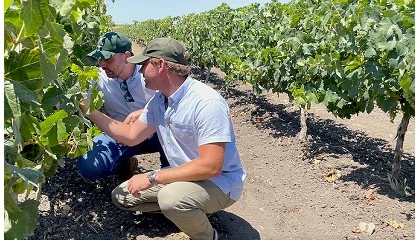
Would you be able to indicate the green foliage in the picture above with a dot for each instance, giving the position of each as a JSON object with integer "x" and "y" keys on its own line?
{"x": 45, "y": 44}
{"x": 351, "y": 56}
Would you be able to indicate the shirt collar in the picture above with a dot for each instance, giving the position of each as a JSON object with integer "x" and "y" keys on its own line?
{"x": 180, "y": 92}
{"x": 135, "y": 74}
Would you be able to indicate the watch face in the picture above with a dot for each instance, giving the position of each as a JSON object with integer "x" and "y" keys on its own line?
{"x": 151, "y": 176}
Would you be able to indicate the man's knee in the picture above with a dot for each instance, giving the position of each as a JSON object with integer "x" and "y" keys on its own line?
{"x": 169, "y": 201}
{"x": 117, "y": 196}
{"x": 87, "y": 169}
{"x": 100, "y": 162}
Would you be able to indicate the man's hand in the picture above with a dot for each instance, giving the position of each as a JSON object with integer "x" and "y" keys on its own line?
{"x": 132, "y": 117}
{"x": 138, "y": 183}
{"x": 84, "y": 105}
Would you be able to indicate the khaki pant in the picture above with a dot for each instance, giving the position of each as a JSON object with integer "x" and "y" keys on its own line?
{"x": 184, "y": 203}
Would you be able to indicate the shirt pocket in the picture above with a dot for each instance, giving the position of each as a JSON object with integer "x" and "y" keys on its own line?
{"x": 183, "y": 133}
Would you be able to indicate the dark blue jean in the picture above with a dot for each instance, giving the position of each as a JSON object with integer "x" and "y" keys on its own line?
{"x": 107, "y": 156}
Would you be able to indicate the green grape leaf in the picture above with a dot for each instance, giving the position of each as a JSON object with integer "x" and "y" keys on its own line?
{"x": 71, "y": 122}
{"x": 370, "y": 107}
{"x": 67, "y": 6}
{"x": 23, "y": 162}
{"x": 29, "y": 126}
{"x": 405, "y": 83}
{"x": 49, "y": 72}
{"x": 16, "y": 92}
{"x": 330, "y": 97}
{"x": 53, "y": 157}
{"x": 8, "y": 112}
{"x": 10, "y": 152}
{"x": 11, "y": 100}
{"x": 53, "y": 130}
{"x": 54, "y": 53}
{"x": 24, "y": 67}
{"x": 51, "y": 168}
{"x": 12, "y": 21}
{"x": 51, "y": 121}
{"x": 300, "y": 100}
{"x": 375, "y": 69}
{"x": 62, "y": 133}
{"x": 53, "y": 98}
{"x": 85, "y": 75}
{"x": 29, "y": 175}
{"x": 370, "y": 52}
{"x": 34, "y": 14}
{"x": 10, "y": 202}
{"x": 340, "y": 103}
{"x": 386, "y": 103}
{"x": 97, "y": 99}
{"x": 311, "y": 97}
{"x": 19, "y": 225}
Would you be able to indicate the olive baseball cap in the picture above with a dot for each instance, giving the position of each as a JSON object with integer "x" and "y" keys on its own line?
{"x": 166, "y": 48}
{"x": 110, "y": 44}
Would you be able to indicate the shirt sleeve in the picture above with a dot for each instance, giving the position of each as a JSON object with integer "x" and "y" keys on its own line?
{"x": 213, "y": 122}
{"x": 147, "y": 116}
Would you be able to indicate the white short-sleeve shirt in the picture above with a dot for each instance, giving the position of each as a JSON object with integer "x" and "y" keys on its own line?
{"x": 196, "y": 115}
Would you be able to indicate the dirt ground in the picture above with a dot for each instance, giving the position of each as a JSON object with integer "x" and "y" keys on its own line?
{"x": 287, "y": 193}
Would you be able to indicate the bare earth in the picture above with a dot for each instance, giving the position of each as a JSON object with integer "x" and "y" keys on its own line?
{"x": 286, "y": 196}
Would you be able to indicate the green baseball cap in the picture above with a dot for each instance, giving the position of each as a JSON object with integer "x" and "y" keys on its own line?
{"x": 110, "y": 44}
{"x": 166, "y": 48}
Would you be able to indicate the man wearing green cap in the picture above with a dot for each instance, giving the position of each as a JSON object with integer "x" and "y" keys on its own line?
{"x": 124, "y": 94}
{"x": 194, "y": 127}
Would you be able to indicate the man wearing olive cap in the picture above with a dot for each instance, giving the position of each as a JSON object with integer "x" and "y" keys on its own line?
{"x": 194, "y": 127}
{"x": 124, "y": 94}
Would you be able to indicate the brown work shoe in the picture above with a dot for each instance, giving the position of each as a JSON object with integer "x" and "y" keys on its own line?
{"x": 127, "y": 170}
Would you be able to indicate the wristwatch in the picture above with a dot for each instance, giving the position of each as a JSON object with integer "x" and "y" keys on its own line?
{"x": 151, "y": 176}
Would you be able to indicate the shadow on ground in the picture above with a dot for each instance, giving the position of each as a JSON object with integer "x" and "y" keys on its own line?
{"x": 233, "y": 227}
{"x": 337, "y": 141}
{"x": 326, "y": 137}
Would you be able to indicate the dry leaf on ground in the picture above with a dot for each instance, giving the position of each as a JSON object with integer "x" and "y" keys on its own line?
{"x": 393, "y": 223}
{"x": 370, "y": 195}
{"x": 332, "y": 175}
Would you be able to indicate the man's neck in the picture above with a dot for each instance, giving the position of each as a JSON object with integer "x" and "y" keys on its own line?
{"x": 173, "y": 85}
{"x": 128, "y": 71}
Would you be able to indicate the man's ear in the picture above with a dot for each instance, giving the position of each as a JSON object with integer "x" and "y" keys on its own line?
{"x": 127, "y": 54}
{"x": 162, "y": 64}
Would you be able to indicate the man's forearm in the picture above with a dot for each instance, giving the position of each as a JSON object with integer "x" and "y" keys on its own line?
{"x": 209, "y": 164}
{"x": 129, "y": 133}
{"x": 115, "y": 129}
